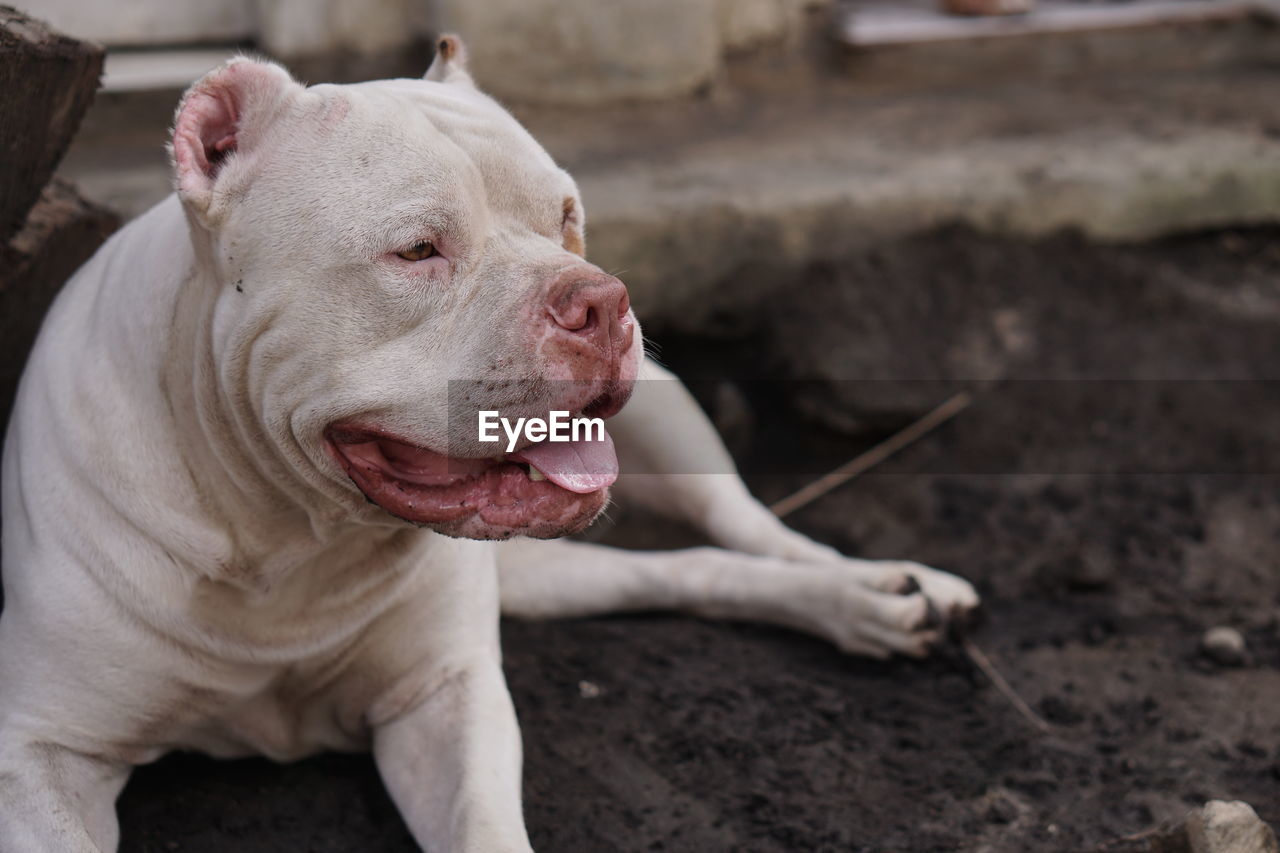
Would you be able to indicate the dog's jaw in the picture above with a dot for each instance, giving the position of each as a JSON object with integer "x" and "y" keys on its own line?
{"x": 474, "y": 498}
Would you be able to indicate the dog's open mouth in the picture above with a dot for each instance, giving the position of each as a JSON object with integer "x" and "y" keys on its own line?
{"x": 544, "y": 490}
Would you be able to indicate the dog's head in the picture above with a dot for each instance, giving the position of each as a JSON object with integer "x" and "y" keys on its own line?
{"x": 392, "y": 258}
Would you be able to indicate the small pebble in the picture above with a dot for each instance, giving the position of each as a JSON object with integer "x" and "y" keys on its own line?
{"x": 588, "y": 690}
{"x": 1224, "y": 645}
{"x": 1229, "y": 827}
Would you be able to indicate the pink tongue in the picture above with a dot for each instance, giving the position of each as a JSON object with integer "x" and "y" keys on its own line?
{"x": 578, "y": 466}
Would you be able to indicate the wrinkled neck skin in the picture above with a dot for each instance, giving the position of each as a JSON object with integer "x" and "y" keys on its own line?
{"x": 137, "y": 474}
{"x": 257, "y": 482}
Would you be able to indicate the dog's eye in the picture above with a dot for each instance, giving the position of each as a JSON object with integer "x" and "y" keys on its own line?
{"x": 419, "y": 251}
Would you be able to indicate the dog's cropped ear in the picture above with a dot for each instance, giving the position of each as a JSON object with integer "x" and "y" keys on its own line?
{"x": 450, "y": 64}
{"x": 221, "y": 120}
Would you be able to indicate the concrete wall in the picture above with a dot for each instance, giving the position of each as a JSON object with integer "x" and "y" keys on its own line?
{"x": 588, "y": 52}
{"x": 544, "y": 51}
{"x": 145, "y": 22}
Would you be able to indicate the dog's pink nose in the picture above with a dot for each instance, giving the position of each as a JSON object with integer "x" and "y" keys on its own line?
{"x": 593, "y": 308}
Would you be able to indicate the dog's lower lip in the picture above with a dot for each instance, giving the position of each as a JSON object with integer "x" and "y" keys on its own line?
{"x": 487, "y": 496}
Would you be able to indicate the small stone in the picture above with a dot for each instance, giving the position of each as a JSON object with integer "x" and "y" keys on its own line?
{"x": 1229, "y": 827}
{"x": 1002, "y": 806}
{"x": 1224, "y": 645}
{"x": 589, "y": 690}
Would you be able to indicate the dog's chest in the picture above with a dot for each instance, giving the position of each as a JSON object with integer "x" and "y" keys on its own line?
{"x": 299, "y": 712}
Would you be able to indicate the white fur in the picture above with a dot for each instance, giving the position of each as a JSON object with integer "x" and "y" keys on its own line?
{"x": 185, "y": 566}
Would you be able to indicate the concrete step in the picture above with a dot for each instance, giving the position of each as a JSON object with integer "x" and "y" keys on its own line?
{"x": 881, "y": 24}
{"x": 161, "y": 70}
{"x": 704, "y": 205}
{"x": 908, "y": 44}
{"x": 704, "y": 222}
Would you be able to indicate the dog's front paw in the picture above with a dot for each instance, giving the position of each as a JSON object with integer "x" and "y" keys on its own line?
{"x": 954, "y": 598}
{"x": 893, "y": 607}
{"x": 862, "y": 621}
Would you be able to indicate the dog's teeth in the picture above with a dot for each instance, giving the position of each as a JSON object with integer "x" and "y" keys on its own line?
{"x": 536, "y": 475}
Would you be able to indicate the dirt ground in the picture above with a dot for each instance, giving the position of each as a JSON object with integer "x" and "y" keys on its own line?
{"x": 1107, "y": 524}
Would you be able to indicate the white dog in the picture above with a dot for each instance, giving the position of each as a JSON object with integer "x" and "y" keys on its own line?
{"x": 237, "y": 518}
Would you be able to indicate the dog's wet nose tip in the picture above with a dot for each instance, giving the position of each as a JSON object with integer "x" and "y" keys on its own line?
{"x": 580, "y": 304}
{"x": 594, "y": 307}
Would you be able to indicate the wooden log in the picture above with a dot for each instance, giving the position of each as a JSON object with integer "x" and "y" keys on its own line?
{"x": 62, "y": 231}
{"x": 47, "y": 81}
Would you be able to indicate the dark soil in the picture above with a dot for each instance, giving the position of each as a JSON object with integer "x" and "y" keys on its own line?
{"x": 1106, "y": 523}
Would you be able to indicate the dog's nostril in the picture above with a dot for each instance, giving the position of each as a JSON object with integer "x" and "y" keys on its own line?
{"x": 577, "y": 321}
{"x": 589, "y": 307}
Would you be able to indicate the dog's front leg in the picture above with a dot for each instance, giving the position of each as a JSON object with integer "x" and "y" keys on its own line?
{"x": 545, "y": 580}
{"x": 57, "y": 800}
{"x": 452, "y": 765}
{"x": 675, "y": 464}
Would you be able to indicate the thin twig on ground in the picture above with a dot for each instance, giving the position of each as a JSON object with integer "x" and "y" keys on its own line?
{"x": 982, "y": 662}
{"x": 1137, "y": 837}
{"x": 864, "y": 462}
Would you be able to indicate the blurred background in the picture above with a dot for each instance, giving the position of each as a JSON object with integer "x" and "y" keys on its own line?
{"x": 832, "y": 215}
